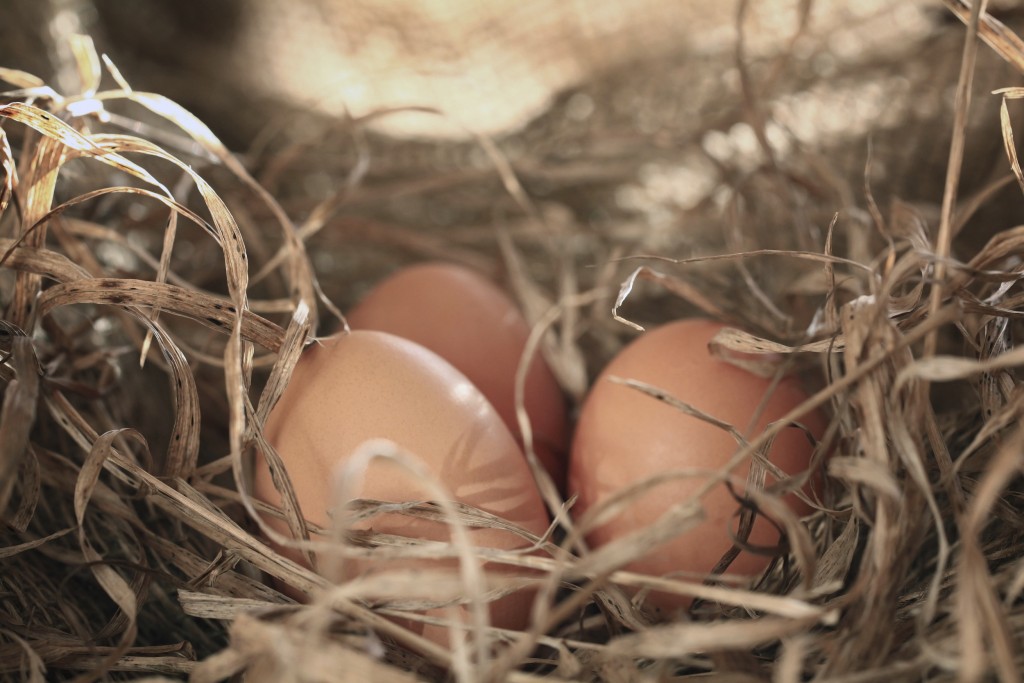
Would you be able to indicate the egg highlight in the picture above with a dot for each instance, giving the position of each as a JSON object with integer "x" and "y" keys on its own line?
{"x": 367, "y": 384}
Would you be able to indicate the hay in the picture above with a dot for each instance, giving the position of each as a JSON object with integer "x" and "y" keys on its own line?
{"x": 157, "y": 290}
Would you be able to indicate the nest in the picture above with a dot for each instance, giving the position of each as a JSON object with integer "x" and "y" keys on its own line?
{"x": 158, "y": 288}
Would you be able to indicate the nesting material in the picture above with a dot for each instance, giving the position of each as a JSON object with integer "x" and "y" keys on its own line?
{"x": 157, "y": 290}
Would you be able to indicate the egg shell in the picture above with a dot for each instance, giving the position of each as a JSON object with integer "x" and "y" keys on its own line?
{"x": 625, "y": 436}
{"x": 470, "y": 322}
{"x": 368, "y": 384}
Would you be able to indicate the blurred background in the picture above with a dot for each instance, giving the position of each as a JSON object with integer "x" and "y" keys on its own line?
{"x": 638, "y": 120}
{"x": 496, "y": 66}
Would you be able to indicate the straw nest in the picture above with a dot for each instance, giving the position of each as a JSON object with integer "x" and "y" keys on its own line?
{"x": 157, "y": 290}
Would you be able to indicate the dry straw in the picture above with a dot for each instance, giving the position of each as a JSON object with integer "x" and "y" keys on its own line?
{"x": 156, "y": 298}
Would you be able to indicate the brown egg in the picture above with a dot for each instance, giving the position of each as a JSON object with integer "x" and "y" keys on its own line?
{"x": 625, "y": 436}
{"x": 369, "y": 384}
{"x": 470, "y": 322}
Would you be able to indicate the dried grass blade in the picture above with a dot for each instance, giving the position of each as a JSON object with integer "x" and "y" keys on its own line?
{"x": 982, "y": 619}
{"x": 912, "y": 456}
{"x": 183, "y": 119}
{"x": 209, "y": 606}
{"x": 229, "y": 236}
{"x": 130, "y": 663}
{"x": 812, "y": 256}
{"x": 795, "y": 537}
{"x": 302, "y": 280}
{"x": 57, "y": 131}
{"x": 995, "y": 33}
{"x": 17, "y": 416}
{"x": 49, "y": 264}
{"x": 835, "y": 562}
{"x": 954, "y": 166}
{"x": 41, "y": 180}
{"x": 349, "y": 475}
{"x": 87, "y": 62}
{"x": 9, "y": 170}
{"x": 949, "y": 368}
{"x": 31, "y": 489}
{"x": 790, "y": 666}
{"x": 674, "y": 522}
{"x": 549, "y": 492}
{"x": 290, "y": 351}
{"x": 205, "y": 309}
{"x": 183, "y": 446}
{"x": 115, "y": 73}
{"x": 677, "y": 286}
{"x": 176, "y": 207}
{"x": 161, "y": 275}
{"x": 981, "y": 198}
{"x": 90, "y": 230}
{"x": 737, "y": 340}
{"x": 183, "y": 449}
{"x": 267, "y": 652}
{"x": 292, "y": 343}
{"x": 1007, "y": 415}
{"x": 12, "y": 550}
{"x": 678, "y": 640}
{"x": 35, "y": 665}
{"x": 115, "y": 586}
{"x": 870, "y": 474}
{"x": 20, "y": 79}
{"x": 227, "y": 664}
{"x": 1008, "y": 143}
{"x": 303, "y": 283}
{"x": 327, "y": 208}
{"x": 231, "y": 583}
{"x": 197, "y": 516}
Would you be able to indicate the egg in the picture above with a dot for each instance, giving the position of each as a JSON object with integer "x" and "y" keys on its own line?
{"x": 368, "y": 384}
{"x": 624, "y": 436}
{"x": 470, "y": 322}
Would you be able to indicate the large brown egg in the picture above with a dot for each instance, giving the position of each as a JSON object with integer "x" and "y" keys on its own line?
{"x": 625, "y": 436}
{"x": 368, "y": 384}
{"x": 470, "y": 322}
